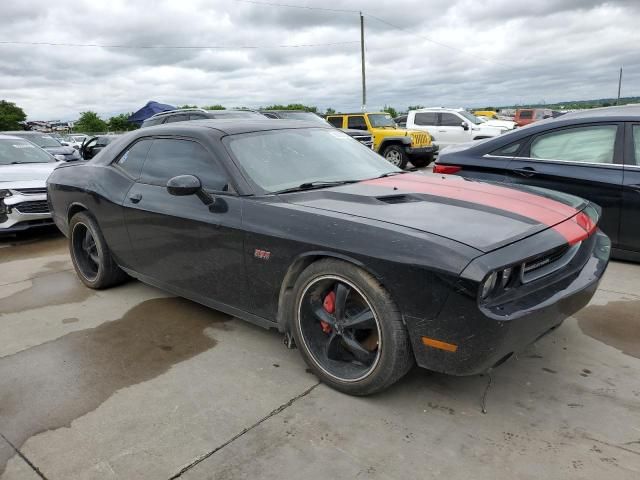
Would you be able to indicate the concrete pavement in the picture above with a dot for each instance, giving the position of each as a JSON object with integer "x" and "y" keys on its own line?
{"x": 131, "y": 383}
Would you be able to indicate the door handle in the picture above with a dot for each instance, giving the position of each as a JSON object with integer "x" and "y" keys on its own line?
{"x": 526, "y": 171}
{"x": 135, "y": 198}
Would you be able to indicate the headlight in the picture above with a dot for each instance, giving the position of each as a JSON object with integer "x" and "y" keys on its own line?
{"x": 488, "y": 285}
{"x": 5, "y": 193}
{"x": 497, "y": 282}
{"x": 59, "y": 157}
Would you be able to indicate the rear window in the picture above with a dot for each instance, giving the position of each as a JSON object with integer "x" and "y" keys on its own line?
{"x": 525, "y": 114}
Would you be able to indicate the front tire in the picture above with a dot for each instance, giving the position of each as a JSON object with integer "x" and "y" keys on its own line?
{"x": 420, "y": 162}
{"x": 348, "y": 329}
{"x": 90, "y": 254}
{"x": 395, "y": 155}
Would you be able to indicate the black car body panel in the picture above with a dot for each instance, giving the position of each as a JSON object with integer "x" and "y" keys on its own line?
{"x": 613, "y": 184}
{"x": 428, "y": 242}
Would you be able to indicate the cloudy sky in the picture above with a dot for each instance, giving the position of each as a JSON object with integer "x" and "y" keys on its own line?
{"x": 429, "y": 52}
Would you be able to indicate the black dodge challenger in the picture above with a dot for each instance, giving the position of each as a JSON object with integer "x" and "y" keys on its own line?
{"x": 366, "y": 268}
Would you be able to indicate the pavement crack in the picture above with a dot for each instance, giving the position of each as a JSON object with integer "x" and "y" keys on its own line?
{"x": 23, "y": 457}
{"x": 281, "y": 408}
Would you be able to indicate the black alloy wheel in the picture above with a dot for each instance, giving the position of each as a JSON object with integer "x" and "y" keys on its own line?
{"x": 85, "y": 251}
{"x": 339, "y": 328}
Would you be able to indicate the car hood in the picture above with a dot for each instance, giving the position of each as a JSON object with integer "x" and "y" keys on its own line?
{"x": 481, "y": 215}
{"x": 500, "y": 124}
{"x": 484, "y": 129}
{"x": 25, "y": 172}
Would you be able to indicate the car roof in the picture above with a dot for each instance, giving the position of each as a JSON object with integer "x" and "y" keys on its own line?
{"x": 631, "y": 110}
{"x": 234, "y": 126}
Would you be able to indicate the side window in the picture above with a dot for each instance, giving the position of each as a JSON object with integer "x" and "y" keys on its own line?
{"x": 526, "y": 114}
{"x": 593, "y": 144}
{"x": 270, "y": 115}
{"x": 508, "y": 150}
{"x": 426, "y": 118}
{"x": 169, "y": 157}
{"x": 196, "y": 116}
{"x": 177, "y": 118}
{"x": 132, "y": 159}
{"x": 450, "y": 120}
{"x": 636, "y": 143}
{"x": 335, "y": 121}
{"x": 357, "y": 123}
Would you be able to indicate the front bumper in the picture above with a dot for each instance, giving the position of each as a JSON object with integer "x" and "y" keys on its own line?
{"x": 24, "y": 211}
{"x": 483, "y": 339}
{"x": 421, "y": 151}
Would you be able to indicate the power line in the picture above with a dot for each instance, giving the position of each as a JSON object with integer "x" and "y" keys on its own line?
{"x": 302, "y": 7}
{"x": 451, "y": 47}
{"x": 181, "y": 47}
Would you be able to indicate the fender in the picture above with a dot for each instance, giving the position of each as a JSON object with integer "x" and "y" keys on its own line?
{"x": 405, "y": 141}
{"x": 301, "y": 262}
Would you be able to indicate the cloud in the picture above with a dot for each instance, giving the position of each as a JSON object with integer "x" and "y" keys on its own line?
{"x": 497, "y": 52}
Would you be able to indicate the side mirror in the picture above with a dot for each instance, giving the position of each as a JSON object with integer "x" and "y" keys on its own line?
{"x": 64, "y": 144}
{"x": 184, "y": 185}
{"x": 464, "y": 125}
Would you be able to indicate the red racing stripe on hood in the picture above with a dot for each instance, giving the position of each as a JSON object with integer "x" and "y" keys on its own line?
{"x": 541, "y": 209}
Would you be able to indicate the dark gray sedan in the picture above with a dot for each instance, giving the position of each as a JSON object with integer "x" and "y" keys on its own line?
{"x": 594, "y": 154}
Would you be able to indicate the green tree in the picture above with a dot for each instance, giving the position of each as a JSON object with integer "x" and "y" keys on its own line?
{"x": 292, "y": 106}
{"x": 120, "y": 123}
{"x": 330, "y": 111}
{"x": 187, "y": 106}
{"x": 90, "y": 122}
{"x": 390, "y": 110}
{"x": 414, "y": 107}
{"x": 10, "y": 116}
{"x": 217, "y": 106}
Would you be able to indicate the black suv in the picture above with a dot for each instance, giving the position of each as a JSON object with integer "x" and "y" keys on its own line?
{"x": 363, "y": 137}
{"x": 184, "y": 114}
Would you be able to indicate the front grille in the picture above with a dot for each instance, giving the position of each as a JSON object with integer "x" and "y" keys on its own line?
{"x": 548, "y": 263}
{"x": 420, "y": 139}
{"x": 31, "y": 191}
{"x": 40, "y": 206}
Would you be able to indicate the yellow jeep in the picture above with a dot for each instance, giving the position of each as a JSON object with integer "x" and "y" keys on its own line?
{"x": 395, "y": 144}
{"x": 486, "y": 113}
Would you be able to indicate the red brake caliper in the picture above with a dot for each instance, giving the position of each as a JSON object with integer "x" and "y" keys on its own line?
{"x": 329, "y": 304}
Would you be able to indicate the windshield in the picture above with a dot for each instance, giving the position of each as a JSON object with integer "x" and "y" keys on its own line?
{"x": 280, "y": 159}
{"x": 471, "y": 117}
{"x": 311, "y": 117}
{"x": 381, "y": 120}
{"x": 13, "y": 150}
{"x": 42, "y": 140}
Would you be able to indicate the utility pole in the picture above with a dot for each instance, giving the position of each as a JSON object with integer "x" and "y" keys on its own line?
{"x": 619, "y": 86}
{"x": 364, "y": 83}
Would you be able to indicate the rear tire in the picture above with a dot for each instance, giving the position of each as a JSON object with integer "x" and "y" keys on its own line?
{"x": 90, "y": 254}
{"x": 360, "y": 348}
{"x": 394, "y": 154}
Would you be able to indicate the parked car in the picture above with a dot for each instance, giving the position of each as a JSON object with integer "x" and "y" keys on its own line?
{"x": 397, "y": 145}
{"x": 450, "y": 126}
{"x": 489, "y": 114}
{"x": 525, "y": 116}
{"x": 48, "y": 143}
{"x": 594, "y": 154}
{"x": 74, "y": 140}
{"x": 24, "y": 168}
{"x": 366, "y": 268}
{"x": 401, "y": 121}
{"x": 184, "y": 114}
{"x": 504, "y": 125}
{"x": 93, "y": 145}
{"x": 363, "y": 137}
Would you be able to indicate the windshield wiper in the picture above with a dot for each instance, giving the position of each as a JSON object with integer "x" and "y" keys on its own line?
{"x": 313, "y": 185}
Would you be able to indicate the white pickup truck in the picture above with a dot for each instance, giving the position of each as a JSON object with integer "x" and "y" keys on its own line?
{"x": 450, "y": 126}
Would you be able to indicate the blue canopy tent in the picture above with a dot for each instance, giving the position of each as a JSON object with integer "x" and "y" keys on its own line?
{"x": 151, "y": 108}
